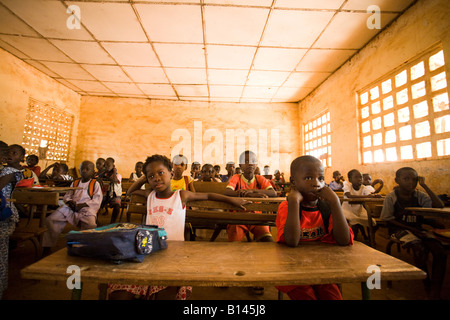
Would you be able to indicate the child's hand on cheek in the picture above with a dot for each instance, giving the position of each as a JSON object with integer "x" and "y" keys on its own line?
{"x": 295, "y": 195}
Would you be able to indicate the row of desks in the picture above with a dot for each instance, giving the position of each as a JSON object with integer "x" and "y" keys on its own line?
{"x": 236, "y": 264}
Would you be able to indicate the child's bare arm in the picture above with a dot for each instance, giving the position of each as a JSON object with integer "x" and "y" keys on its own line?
{"x": 137, "y": 185}
{"x": 187, "y": 196}
{"x": 435, "y": 201}
{"x": 341, "y": 231}
{"x": 292, "y": 226}
{"x": 381, "y": 184}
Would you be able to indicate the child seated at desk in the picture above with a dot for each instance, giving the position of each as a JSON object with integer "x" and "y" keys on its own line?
{"x": 32, "y": 161}
{"x": 355, "y": 213}
{"x": 113, "y": 195}
{"x": 367, "y": 181}
{"x": 407, "y": 227}
{"x": 250, "y": 185}
{"x": 230, "y": 167}
{"x": 9, "y": 176}
{"x": 166, "y": 208}
{"x": 338, "y": 181}
{"x": 80, "y": 207}
{"x": 208, "y": 174}
{"x": 312, "y": 212}
{"x": 59, "y": 174}
{"x": 137, "y": 173}
{"x": 179, "y": 181}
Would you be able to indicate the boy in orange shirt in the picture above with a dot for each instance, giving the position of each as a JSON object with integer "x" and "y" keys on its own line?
{"x": 247, "y": 184}
{"x": 312, "y": 212}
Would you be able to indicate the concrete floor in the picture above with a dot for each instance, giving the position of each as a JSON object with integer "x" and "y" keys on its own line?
{"x": 23, "y": 289}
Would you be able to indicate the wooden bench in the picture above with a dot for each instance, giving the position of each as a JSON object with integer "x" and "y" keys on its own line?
{"x": 217, "y": 215}
{"x": 27, "y": 230}
{"x": 210, "y": 187}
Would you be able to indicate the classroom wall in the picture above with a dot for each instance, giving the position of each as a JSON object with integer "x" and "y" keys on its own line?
{"x": 20, "y": 81}
{"x": 423, "y": 25}
{"x": 130, "y": 129}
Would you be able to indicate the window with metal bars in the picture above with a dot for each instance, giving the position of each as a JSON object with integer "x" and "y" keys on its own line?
{"x": 405, "y": 116}
{"x": 317, "y": 138}
{"x": 47, "y": 131}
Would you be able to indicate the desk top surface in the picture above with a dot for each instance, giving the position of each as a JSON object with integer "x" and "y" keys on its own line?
{"x": 445, "y": 210}
{"x": 49, "y": 189}
{"x": 368, "y": 199}
{"x": 201, "y": 263}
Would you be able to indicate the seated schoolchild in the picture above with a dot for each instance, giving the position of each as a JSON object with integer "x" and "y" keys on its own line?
{"x": 355, "y": 213}
{"x": 248, "y": 184}
{"x": 137, "y": 173}
{"x": 166, "y": 208}
{"x": 208, "y": 174}
{"x": 180, "y": 181}
{"x": 338, "y": 181}
{"x": 312, "y": 212}
{"x": 113, "y": 195}
{"x": 32, "y": 161}
{"x": 367, "y": 181}
{"x": 195, "y": 170}
{"x": 230, "y": 167}
{"x": 408, "y": 228}
{"x": 79, "y": 209}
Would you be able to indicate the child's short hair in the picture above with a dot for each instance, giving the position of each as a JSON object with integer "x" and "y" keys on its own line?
{"x": 64, "y": 167}
{"x": 244, "y": 154}
{"x": 335, "y": 173}
{"x": 18, "y": 146}
{"x": 178, "y": 159}
{"x": 207, "y": 165}
{"x": 33, "y": 156}
{"x": 351, "y": 173}
{"x": 158, "y": 158}
{"x": 300, "y": 161}
{"x": 402, "y": 170}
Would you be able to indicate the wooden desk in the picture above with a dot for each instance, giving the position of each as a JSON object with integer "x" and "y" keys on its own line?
{"x": 443, "y": 213}
{"x": 239, "y": 264}
{"x": 51, "y": 189}
{"x": 216, "y": 215}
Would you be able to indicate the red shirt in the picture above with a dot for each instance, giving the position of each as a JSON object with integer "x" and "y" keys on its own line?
{"x": 311, "y": 225}
{"x": 238, "y": 182}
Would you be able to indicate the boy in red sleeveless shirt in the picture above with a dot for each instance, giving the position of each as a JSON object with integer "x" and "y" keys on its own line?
{"x": 312, "y": 212}
{"x": 247, "y": 184}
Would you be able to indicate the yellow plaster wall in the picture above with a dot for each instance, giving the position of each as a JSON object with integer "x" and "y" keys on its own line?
{"x": 422, "y": 26}
{"x": 18, "y": 82}
{"x": 129, "y": 129}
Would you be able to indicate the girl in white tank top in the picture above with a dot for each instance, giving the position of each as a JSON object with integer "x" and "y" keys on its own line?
{"x": 168, "y": 213}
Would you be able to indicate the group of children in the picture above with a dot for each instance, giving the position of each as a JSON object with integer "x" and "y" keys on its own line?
{"x": 311, "y": 205}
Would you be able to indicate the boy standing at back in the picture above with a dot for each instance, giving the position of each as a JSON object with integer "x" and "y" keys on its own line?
{"x": 80, "y": 208}
{"x": 407, "y": 227}
{"x": 312, "y": 212}
{"x": 249, "y": 185}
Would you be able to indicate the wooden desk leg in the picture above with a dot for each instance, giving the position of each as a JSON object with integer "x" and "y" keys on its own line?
{"x": 31, "y": 214}
{"x": 102, "y": 291}
{"x": 43, "y": 216}
{"x": 371, "y": 226}
{"x": 365, "y": 292}
{"x": 76, "y": 293}
{"x": 217, "y": 230}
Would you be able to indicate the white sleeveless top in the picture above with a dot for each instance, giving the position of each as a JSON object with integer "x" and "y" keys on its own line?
{"x": 168, "y": 214}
